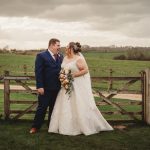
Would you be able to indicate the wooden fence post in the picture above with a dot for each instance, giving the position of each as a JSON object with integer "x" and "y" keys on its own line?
{"x": 6, "y": 96}
{"x": 25, "y": 69}
{"x": 146, "y": 96}
{"x": 142, "y": 92}
{"x": 110, "y": 84}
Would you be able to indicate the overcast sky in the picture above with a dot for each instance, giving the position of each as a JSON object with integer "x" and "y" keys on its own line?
{"x": 29, "y": 24}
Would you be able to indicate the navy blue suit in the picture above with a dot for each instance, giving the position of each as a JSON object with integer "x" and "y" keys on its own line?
{"x": 47, "y": 76}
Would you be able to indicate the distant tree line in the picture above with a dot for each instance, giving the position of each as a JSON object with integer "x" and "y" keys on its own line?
{"x": 131, "y": 53}
{"x": 115, "y": 49}
{"x": 134, "y": 54}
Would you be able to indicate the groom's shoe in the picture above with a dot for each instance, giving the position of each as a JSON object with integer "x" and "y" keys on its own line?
{"x": 33, "y": 130}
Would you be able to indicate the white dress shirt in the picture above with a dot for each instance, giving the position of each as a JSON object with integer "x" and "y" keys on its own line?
{"x": 52, "y": 54}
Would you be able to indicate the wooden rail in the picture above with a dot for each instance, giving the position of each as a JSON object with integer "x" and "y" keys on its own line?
{"x": 104, "y": 100}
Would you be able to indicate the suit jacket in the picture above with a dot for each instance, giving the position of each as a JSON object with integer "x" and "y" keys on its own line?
{"x": 47, "y": 71}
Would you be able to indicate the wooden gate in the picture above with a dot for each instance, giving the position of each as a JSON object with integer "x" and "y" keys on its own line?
{"x": 105, "y": 100}
{"x": 20, "y": 80}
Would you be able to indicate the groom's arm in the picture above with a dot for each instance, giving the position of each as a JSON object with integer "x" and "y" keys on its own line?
{"x": 39, "y": 71}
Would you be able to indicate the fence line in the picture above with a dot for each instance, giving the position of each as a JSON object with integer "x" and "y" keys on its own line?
{"x": 106, "y": 100}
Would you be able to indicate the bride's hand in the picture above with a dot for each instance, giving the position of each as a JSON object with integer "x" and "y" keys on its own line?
{"x": 73, "y": 75}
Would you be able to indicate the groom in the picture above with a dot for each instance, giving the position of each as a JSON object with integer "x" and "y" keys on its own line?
{"x": 47, "y": 68}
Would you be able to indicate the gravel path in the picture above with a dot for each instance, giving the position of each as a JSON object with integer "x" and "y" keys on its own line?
{"x": 137, "y": 97}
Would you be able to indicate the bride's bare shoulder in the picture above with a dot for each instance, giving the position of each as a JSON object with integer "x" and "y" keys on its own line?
{"x": 79, "y": 58}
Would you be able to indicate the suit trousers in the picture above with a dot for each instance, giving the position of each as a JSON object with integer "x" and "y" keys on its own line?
{"x": 44, "y": 101}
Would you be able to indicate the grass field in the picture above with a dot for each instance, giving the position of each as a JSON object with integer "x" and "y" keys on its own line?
{"x": 99, "y": 64}
{"x": 15, "y": 135}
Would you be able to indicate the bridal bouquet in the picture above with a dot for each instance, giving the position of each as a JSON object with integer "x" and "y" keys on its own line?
{"x": 66, "y": 80}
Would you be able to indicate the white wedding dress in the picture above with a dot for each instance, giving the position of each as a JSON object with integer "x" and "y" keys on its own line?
{"x": 78, "y": 114}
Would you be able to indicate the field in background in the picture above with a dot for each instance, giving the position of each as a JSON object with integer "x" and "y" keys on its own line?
{"x": 16, "y": 134}
{"x": 99, "y": 64}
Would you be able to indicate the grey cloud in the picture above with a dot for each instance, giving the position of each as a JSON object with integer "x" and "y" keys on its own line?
{"x": 138, "y": 30}
{"x": 101, "y": 15}
{"x": 36, "y": 8}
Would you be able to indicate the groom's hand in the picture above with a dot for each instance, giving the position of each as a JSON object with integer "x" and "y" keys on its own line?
{"x": 40, "y": 91}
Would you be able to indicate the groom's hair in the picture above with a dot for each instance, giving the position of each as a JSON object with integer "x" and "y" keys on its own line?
{"x": 53, "y": 41}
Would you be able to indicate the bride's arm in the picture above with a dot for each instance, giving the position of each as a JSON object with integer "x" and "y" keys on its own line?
{"x": 82, "y": 66}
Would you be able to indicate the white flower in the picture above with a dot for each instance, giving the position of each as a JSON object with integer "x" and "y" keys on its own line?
{"x": 66, "y": 71}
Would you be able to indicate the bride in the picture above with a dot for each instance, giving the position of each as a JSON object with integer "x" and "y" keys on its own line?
{"x": 77, "y": 113}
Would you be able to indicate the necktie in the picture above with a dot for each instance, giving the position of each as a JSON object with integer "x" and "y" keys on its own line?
{"x": 56, "y": 56}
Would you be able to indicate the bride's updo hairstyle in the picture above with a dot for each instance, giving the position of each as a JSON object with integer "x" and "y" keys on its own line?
{"x": 76, "y": 47}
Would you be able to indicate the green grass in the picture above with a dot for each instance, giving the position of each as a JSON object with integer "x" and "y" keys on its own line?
{"x": 15, "y": 135}
{"x": 14, "y": 63}
{"x": 1, "y": 101}
{"x": 101, "y": 61}
{"x": 104, "y": 61}
{"x": 99, "y": 64}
